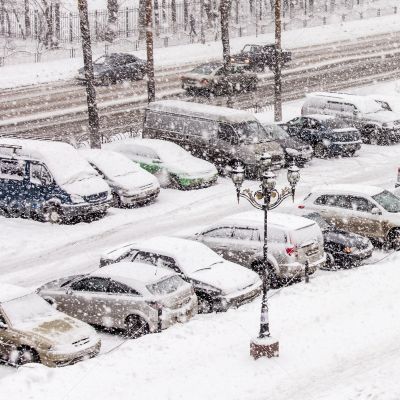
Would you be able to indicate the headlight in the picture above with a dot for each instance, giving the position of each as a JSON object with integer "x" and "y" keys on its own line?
{"x": 247, "y": 61}
{"x": 292, "y": 152}
{"x": 388, "y": 125}
{"x": 350, "y": 250}
{"x": 75, "y": 198}
{"x": 232, "y": 60}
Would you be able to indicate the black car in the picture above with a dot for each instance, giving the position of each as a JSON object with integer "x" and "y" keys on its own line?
{"x": 115, "y": 67}
{"x": 327, "y": 135}
{"x": 294, "y": 149}
{"x": 342, "y": 248}
{"x": 256, "y": 57}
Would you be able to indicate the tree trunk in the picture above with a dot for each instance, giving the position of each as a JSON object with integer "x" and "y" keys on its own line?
{"x": 112, "y": 10}
{"x": 151, "y": 87}
{"x": 278, "y": 64}
{"x": 225, "y": 11}
{"x": 142, "y": 19}
{"x": 27, "y": 19}
{"x": 94, "y": 125}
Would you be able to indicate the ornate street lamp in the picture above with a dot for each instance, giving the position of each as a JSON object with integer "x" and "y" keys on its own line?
{"x": 264, "y": 345}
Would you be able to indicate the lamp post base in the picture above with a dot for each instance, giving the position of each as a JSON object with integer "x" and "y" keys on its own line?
{"x": 264, "y": 347}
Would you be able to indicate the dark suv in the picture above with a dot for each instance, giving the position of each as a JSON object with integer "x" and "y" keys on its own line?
{"x": 115, "y": 67}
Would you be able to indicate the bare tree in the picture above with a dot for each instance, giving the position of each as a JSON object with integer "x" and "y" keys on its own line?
{"x": 225, "y": 11}
{"x": 112, "y": 11}
{"x": 151, "y": 87}
{"x": 94, "y": 125}
{"x": 278, "y": 64}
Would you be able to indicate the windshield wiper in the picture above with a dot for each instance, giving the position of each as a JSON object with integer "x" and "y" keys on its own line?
{"x": 209, "y": 267}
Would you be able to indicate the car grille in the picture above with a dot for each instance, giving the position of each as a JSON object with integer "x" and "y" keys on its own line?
{"x": 96, "y": 198}
{"x": 345, "y": 137}
{"x": 81, "y": 342}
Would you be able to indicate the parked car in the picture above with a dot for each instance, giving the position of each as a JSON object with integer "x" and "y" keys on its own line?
{"x": 217, "y": 134}
{"x": 49, "y": 180}
{"x": 256, "y": 57}
{"x": 292, "y": 241}
{"x": 129, "y": 183}
{"x": 213, "y": 78}
{"x": 138, "y": 298}
{"x": 327, "y": 135}
{"x": 109, "y": 69}
{"x": 295, "y": 149}
{"x": 219, "y": 284}
{"x": 170, "y": 163}
{"x": 367, "y": 210}
{"x": 342, "y": 248}
{"x": 376, "y": 124}
{"x": 33, "y": 331}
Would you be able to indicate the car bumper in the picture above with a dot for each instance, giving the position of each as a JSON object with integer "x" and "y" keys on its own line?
{"x": 183, "y": 314}
{"x": 235, "y": 300}
{"x": 344, "y": 147}
{"x": 392, "y": 134}
{"x": 356, "y": 257}
{"x": 144, "y": 197}
{"x": 197, "y": 182}
{"x": 78, "y": 210}
{"x": 292, "y": 270}
{"x": 60, "y": 360}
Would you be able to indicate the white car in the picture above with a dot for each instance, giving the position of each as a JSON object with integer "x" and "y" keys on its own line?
{"x": 367, "y": 210}
{"x": 218, "y": 283}
{"x": 130, "y": 184}
{"x": 173, "y": 165}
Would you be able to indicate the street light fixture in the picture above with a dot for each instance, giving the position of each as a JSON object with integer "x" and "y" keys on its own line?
{"x": 264, "y": 345}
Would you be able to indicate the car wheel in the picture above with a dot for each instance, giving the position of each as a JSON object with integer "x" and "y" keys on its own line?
{"x": 331, "y": 264}
{"x": 320, "y": 150}
{"x": 205, "y": 306}
{"x": 350, "y": 153}
{"x": 116, "y": 201}
{"x": 26, "y": 355}
{"x": 370, "y": 136}
{"x": 393, "y": 240}
{"x": 135, "y": 327}
{"x": 52, "y": 214}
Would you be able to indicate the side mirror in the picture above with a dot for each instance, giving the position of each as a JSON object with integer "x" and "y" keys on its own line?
{"x": 356, "y": 112}
{"x": 376, "y": 211}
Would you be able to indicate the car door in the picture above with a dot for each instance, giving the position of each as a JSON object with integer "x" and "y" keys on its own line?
{"x": 40, "y": 185}
{"x": 309, "y": 131}
{"x": 294, "y": 126}
{"x": 222, "y": 148}
{"x": 244, "y": 245}
{"x": 218, "y": 239}
{"x": 8, "y": 339}
{"x": 362, "y": 220}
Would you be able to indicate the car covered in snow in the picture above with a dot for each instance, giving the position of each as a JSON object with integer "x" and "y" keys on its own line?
{"x": 292, "y": 242}
{"x": 138, "y": 298}
{"x": 214, "y": 133}
{"x": 327, "y": 135}
{"x": 342, "y": 248}
{"x": 213, "y": 78}
{"x": 49, "y": 180}
{"x": 170, "y": 163}
{"x": 367, "y": 210}
{"x": 219, "y": 284}
{"x": 31, "y": 330}
{"x": 130, "y": 184}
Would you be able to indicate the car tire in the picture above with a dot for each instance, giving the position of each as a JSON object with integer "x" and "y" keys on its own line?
{"x": 116, "y": 201}
{"x": 331, "y": 264}
{"x": 52, "y": 214}
{"x": 393, "y": 239}
{"x": 135, "y": 327}
{"x": 26, "y": 355}
{"x": 320, "y": 150}
{"x": 205, "y": 306}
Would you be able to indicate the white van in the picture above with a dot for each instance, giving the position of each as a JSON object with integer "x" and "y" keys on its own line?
{"x": 376, "y": 124}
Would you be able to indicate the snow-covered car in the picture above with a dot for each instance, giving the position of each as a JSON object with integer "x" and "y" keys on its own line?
{"x": 219, "y": 284}
{"x": 31, "y": 330}
{"x": 170, "y": 163}
{"x": 292, "y": 241}
{"x": 129, "y": 183}
{"x": 138, "y": 298}
{"x": 367, "y": 210}
{"x": 49, "y": 180}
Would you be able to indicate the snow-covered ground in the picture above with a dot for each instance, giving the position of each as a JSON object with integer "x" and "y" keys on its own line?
{"x": 338, "y": 334}
{"x": 28, "y": 74}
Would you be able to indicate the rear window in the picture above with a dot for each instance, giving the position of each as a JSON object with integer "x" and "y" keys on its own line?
{"x": 166, "y": 286}
{"x": 305, "y": 234}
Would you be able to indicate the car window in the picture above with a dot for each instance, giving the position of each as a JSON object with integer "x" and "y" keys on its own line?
{"x": 91, "y": 285}
{"x": 334, "y": 201}
{"x": 388, "y": 201}
{"x": 342, "y": 202}
{"x": 227, "y": 133}
{"x": 224, "y": 233}
{"x": 246, "y": 234}
{"x": 12, "y": 169}
{"x": 118, "y": 287}
{"x": 312, "y": 123}
{"x": 145, "y": 258}
{"x": 39, "y": 174}
{"x": 335, "y": 106}
{"x": 158, "y": 260}
{"x": 361, "y": 204}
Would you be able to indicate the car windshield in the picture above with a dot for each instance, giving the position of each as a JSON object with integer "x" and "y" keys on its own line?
{"x": 251, "y": 132}
{"x": 205, "y": 69}
{"x": 333, "y": 123}
{"x": 166, "y": 286}
{"x": 319, "y": 220}
{"x": 388, "y": 201}
{"x": 101, "y": 60}
{"x": 369, "y": 106}
{"x": 275, "y": 131}
{"x": 28, "y": 310}
{"x": 247, "y": 48}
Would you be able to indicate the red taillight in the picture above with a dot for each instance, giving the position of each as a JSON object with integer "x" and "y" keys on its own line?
{"x": 300, "y": 206}
{"x": 204, "y": 82}
{"x": 290, "y": 250}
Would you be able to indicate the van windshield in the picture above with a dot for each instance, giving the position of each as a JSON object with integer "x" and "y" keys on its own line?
{"x": 276, "y": 132}
{"x": 252, "y": 132}
{"x": 369, "y": 106}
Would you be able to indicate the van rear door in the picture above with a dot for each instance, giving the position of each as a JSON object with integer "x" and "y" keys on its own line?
{"x": 309, "y": 243}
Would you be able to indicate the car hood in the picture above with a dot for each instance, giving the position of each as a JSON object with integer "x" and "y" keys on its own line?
{"x": 137, "y": 181}
{"x": 86, "y": 187}
{"x": 383, "y": 116}
{"x": 227, "y": 276}
{"x": 194, "y": 167}
{"x": 347, "y": 239}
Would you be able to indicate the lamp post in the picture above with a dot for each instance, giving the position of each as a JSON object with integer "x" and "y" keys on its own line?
{"x": 271, "y": 198}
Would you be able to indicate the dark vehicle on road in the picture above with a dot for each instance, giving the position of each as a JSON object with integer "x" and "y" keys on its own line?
{"x": 109, "y": 69}
{"x": 343, "y": 249}
{"x": 212, "y": 78}
{"x": 327, "y": 135}
{"x": 296, "y": 150}
{"x": 256, "y": 57}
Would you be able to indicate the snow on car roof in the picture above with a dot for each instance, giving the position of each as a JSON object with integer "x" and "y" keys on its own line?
{"x": 207, "y": 111}
{"x": 280, "y": 220}
{"x": 320, "y": 117}
{"x": 63, "y": 161}
{"x": 367, "y": 190}
{"x": 135, "y": 274}
{"x": 10, "y": 292}
{"x": 155, "y": 144}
